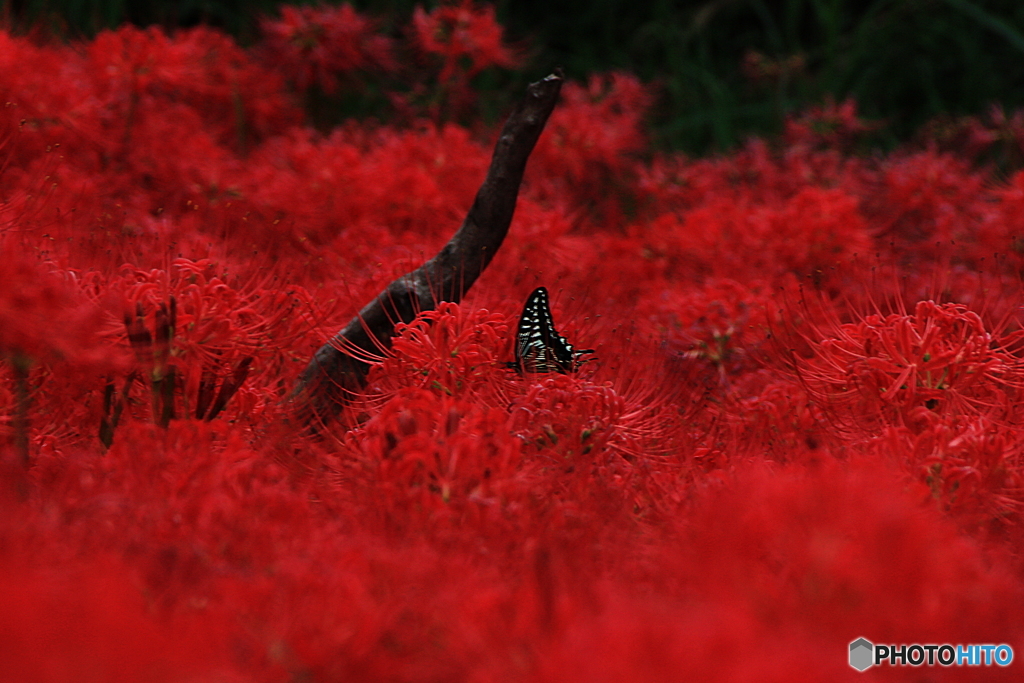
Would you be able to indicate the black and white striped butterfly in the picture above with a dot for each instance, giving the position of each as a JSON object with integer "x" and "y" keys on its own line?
{"x": 539, "y": 347}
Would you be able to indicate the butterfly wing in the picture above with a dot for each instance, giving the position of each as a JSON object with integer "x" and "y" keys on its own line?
{"x": 531, "y": 334}
{"x": 539, "y": 347}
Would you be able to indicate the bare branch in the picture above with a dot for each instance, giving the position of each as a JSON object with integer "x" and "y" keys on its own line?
{"x": 333, "y": 373}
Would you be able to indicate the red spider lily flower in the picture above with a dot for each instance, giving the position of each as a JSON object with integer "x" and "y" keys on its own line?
{"x": 42, "y": 315}
{"x": 941, "y": 358}
{"x": 214, "y": 321}
{"x": 719, "y": 326}
{"x": 829, "y": 126}
{"x": 567, "y": 416}
{"x": 452, "y": 353}
{"x": 585, "y": 156}
{"x": 973, "y": 466}
{"x": 926, "y": 202}
{"x": 197, "y": 339}
{"x": 481, "y": 337}
{"x": 432, "y": 454}
{"x": 140, "y": 73}
{"x": 573, "y": 421}
{"x": 815, "y": 232}
{"x": 1001, "y": 230}
{"x": 465, "y": 37}
{"x": 413, "y": 184}
{"x": 449, "y": 351}
{"x": 48, "y": 330}
{"x": 319, "y": 45}
{"x": 781, "y": 421}
{"x": 995, "y": 138}
{"x": 454, "y": 42}
{"x": 757, "y": 172}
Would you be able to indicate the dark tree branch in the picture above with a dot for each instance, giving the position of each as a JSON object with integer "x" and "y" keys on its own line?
{"x": 334, "y": 373}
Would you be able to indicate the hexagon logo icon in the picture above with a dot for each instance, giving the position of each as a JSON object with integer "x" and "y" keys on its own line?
{"x": 861, "y": 651}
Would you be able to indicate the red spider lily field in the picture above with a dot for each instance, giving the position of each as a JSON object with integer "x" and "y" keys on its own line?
{"x": 802, "y": 423}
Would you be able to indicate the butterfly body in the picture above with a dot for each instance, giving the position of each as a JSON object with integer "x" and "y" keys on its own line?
{"x": 539, "y": 347}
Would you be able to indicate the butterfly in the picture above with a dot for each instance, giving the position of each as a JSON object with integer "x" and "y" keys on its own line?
{"x": 539, "y": 347}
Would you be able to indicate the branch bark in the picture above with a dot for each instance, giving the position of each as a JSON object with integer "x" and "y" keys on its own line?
{"x": 335, "y": 372}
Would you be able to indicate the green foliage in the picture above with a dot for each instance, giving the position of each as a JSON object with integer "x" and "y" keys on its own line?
{"x": 85, "y": 18}
{"x": 732, "y": 68}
